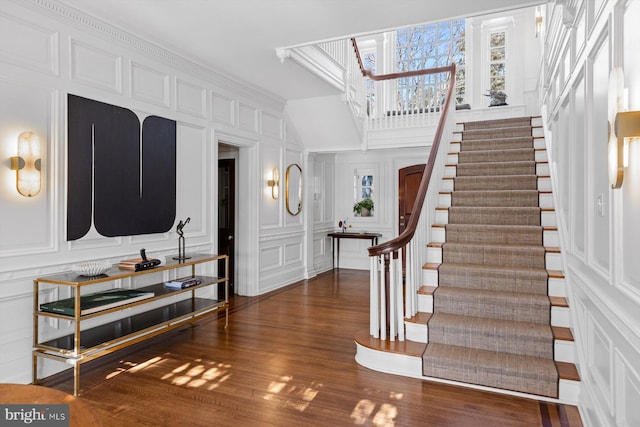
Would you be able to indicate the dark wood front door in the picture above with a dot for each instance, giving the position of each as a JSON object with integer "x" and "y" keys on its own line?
{"x": 226, "y": 216}
{"x": 408, "y": 182}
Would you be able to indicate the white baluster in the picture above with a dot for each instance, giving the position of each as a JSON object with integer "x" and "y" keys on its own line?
{"x": 392, "y": 299}
{"x": 374, "y": 303}
{"x": 383, "y": 302}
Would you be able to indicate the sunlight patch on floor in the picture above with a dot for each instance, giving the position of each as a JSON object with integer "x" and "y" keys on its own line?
{"x": 291, "y": 394}
{"x": 132, "y": 367}
{"x": 199, "y": 373}
{"x": 367, "y": 411}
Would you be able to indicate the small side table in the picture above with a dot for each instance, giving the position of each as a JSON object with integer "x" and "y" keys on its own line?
{"x": 340, "y": 235}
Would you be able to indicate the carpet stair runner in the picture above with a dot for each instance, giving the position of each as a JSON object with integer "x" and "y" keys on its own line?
{"x": 491, "y": 314}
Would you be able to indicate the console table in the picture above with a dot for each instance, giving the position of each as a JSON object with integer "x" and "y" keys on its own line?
{"x": 337, "y": 236}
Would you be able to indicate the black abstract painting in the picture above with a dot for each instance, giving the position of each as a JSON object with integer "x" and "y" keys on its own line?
{"x": 121, "y": 180}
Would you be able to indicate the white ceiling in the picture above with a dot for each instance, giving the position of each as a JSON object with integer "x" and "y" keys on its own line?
{"x": 239, "y": 37}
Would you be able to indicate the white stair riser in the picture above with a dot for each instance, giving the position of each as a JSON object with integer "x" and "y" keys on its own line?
{"x": 557, "y": 287}
{"x": 416, "y": 332}
{"x": 537, "y": 132}
{"x": 425, "y": 303}
{"x": 560, "y": 316}
{"x": 564, "y": 351}
{"x": 536, "y": 121}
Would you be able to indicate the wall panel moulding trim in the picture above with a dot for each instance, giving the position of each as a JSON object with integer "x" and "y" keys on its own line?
{"x": 213, "y": 76}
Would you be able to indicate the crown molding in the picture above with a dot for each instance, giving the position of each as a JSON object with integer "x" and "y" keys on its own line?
{"x": 84, "y": 21}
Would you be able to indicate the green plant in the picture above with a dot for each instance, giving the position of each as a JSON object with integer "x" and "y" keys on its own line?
{"x": 366, "y": 203}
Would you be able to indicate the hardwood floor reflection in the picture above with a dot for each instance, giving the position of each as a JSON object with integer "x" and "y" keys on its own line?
{"x": 287, "y": 359}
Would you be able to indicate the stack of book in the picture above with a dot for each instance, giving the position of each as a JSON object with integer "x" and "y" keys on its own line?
{"x": 138, "y": 264}
{"x": 99, "y": 301}
{"x": 186, "y": 282}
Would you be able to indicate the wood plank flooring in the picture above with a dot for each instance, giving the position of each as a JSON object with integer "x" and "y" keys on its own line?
{"x": 287, "y": 359}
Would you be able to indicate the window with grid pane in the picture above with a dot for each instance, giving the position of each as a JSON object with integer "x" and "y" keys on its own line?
{"x": 430, "y": 46}
{"x": 497, "y": 60}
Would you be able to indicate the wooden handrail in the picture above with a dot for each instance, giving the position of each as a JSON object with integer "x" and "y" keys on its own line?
{"x": 405, "y": 237}
{"x": 392, "y": 76}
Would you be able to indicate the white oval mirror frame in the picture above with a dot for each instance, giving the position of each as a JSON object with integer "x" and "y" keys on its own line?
{"x": 293, "y": 190}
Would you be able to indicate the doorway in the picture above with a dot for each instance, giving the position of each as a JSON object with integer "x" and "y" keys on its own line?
{"x": 408, "y": 183}
{"x": 226, "y": 218}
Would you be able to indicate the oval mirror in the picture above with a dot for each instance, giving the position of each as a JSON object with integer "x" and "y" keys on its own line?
{"x": 293, "y": 191}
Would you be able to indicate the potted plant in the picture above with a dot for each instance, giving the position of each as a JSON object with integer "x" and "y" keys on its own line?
{"x": 364, "y": 207}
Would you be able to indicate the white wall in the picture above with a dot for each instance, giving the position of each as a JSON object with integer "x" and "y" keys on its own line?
{"x": 522, "y": 58}
{"x": 48, "y": 51}
{"x": 599, "y": 227}
{"x": 335, "y": 175}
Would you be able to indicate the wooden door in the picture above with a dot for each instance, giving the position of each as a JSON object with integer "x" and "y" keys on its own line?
{"x": 408, "y": 182}
{"x": 226, "y": 216}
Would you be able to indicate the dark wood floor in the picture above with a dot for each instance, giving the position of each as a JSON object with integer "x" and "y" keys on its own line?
{"x": 287, "y": 359}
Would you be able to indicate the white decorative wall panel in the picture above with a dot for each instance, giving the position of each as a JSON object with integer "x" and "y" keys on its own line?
{"x": 600, "y": 360}
{"x": 270, "y": 258}
{"x": 627, "y": 392}
{"x": 38, "y": 48}
{"x": 578, "y": 159}
{"x": 600, "y": 243}
{"x": 223, "y": 109}
{"x": 149, "y": 85}
{"x": 272, "y": 209}
{"x": 192, "y": 184}
{"x": 191, "y": 98}
{"x": 248, "y": 117}
{"x": 631, "y": 188}
{"x": 36, "y": 230}
{"x": 293, "y": 252}
{"x": 96, "y": 67}
{"x": 272, "y": 126}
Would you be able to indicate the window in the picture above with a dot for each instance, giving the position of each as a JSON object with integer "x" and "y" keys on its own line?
{"x": 369, "y": 62}
{"x": 497, "y": 60}
{"x": 364, "y": 193}
{"x": 430, "y": 46}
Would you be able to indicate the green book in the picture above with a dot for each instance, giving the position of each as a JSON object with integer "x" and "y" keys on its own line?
{"x": 99, "y": 301}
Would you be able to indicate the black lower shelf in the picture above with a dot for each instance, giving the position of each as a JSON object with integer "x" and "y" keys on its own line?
{"x": 119, "y": 330}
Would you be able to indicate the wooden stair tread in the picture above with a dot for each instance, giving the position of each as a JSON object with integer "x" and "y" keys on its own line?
{"x": 567, "y": 371}
{"x": 406, "y": 347}
{"x": 430, "y": 266}
{"x": 559, "y": 302}
{"x": 561, "y": 333}
{"x": 419, "y": 318}
{"x": 427, "y": 290}
{"x": 556, "y": 274}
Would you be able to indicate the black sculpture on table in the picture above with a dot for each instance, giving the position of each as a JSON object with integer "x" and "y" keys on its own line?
{"x": 181, "y": 252}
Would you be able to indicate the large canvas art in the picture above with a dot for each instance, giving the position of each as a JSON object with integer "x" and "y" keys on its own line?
{"x": 120, "y": 180}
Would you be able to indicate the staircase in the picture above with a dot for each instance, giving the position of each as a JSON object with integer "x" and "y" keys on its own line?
{"x": 494, "y": 286}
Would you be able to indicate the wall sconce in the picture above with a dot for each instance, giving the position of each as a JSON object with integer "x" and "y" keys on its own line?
{"x": 623, "y": 126}
{"x": 274, "y": 183}
{"x": 27, "y": 164}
